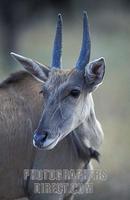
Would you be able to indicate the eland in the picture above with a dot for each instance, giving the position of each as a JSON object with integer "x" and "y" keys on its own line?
{"x": 47, "y": 120}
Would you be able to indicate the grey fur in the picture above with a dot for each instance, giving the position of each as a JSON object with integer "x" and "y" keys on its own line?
{"x": 21, "y": 107}
{"x": 57, "y": 105}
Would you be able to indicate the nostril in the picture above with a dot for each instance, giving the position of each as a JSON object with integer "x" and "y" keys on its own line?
{"x": 40, "y": 138}
{"x": 43, "y": 137}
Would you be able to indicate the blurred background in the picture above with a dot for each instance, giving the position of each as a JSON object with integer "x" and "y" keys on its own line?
{"x": 28, "y": 27}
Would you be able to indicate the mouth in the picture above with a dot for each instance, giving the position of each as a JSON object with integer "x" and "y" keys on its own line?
{"x": 48, "y": 144}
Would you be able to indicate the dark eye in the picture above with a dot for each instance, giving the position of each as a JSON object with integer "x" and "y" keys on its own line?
{"x": 41, "y": 92}
{"x": 75, "y": 93}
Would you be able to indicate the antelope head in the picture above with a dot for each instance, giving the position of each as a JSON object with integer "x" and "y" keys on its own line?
{"x": 67, "y": 93}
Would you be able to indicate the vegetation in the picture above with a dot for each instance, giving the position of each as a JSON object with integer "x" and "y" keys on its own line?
{"x": 111, "y": 39}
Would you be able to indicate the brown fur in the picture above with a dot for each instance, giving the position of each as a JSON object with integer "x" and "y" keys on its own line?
{"x": 20, "y": 106}
{"x": 15, "y": 77}
{"x": 20, "y": 111}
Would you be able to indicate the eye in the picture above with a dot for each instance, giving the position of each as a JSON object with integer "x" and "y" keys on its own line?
{"x": 75, "y": 93}
{"x": 41, "y": 92}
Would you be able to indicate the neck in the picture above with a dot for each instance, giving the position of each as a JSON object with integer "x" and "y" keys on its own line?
{"x": 87, "y": 135}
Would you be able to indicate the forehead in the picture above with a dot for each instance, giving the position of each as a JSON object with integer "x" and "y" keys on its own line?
{"x": 58, "y": 77}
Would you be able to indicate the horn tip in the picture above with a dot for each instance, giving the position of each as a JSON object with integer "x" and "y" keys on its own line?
{"x": 59, "y": 21}
{"x": 60, "y": 16}
{"x": 85, "y": 12}
{"x": 85, "y": 15}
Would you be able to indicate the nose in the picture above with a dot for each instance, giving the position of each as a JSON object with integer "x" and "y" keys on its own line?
{"x": 39, "y": 138}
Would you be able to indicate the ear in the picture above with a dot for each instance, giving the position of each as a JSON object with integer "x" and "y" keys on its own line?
{"x": 94, "y": 73}
{"x": 38, "y": 70}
